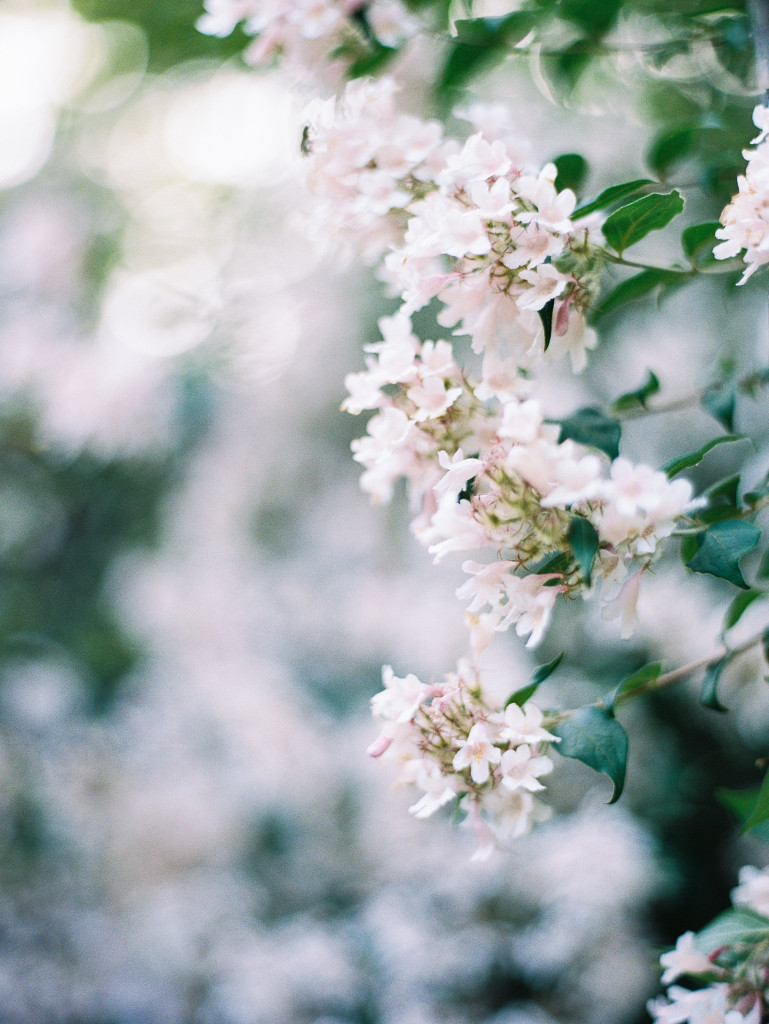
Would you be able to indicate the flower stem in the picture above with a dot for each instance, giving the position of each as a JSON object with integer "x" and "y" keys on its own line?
{"x": 668, "y": 678}
{"x": 748, "y": 383}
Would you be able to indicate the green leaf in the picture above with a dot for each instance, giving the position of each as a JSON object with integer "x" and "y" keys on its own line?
{"x": 543, "y": 671}
{"x": 591, "y": 427}
{"x": 689, "y": 547}
{"x": 722, "y": 546}
{"x": 757, "y": 493}
{"x": 520, "y": 697}
{"x": 718, "y": 400}
{"x": 525, "y": 693}
{"x": 742, "y": 802}
{"x": 736, "y": 927}
{"x": 668, "y": 149}
{"x": 760, "y": 812}
{"x": 583, "y": 540}
{"x": 763, "y": 566}
{"x": 739, "y": 605}
{"x": 558, "y": 561}
{"x": 632, "y": 682}
{"x": 546, "y": 316}
{"x": 372, "y": 63}
{"x": 725, "y": 489}
{"x": 698, "y": 241}
{"x": 637, "y": 286}
{"x": 676, "y": 466}
{"x": 572, "y": 170}
{"x": 481, "y": 41}
{"x": 632, "y": 399}
{"x": 169, "y": 29}
{"x": 630, "y": 224}
{"x": 709, "y": 694}
{"x": 593, "y": 18}
{"x": 592, "y": 736}
{"x": 612, "y": 195}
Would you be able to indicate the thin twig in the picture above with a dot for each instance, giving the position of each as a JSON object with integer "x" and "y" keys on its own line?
{"x": 668, "y": 678}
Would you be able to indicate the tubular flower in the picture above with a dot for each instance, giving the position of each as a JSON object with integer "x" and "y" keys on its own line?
{"x": 454, "y": 744}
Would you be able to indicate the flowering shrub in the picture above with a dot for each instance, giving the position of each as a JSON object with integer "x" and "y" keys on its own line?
{"x": 746, "y": 219}
{"x": 467, "y": 231}
{"x": 729, "y": 959}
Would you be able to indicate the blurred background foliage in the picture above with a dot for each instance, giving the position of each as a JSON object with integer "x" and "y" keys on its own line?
{"x": 195, "y": 601}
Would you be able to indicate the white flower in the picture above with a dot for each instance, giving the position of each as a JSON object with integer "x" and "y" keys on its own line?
{"x": 399, "y": 700}
{"x": 546, "y": 283}
{"x": 753, "y": 890}
{"x": 478, "y": 753}
{"x": 702, "y": 1006}
{"x": 524, "y": 725}
{"x": 684, "y": 959}
{"x": 745, "y": 221}
{"x": 438, "y": 789}
{"x": 432, "y": 398}
{"x": 623, "y": 606}
{"x": 520, "y": 769}
{"x": 458, "y": 471}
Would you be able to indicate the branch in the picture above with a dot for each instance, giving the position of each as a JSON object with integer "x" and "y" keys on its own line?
{"x": 747, "y": 383}
{"x": 668, "y": 678}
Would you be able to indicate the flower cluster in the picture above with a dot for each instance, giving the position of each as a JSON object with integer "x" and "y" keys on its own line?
{"x": 734, "y": 973}
{"x": 309, "y": 34}
{"x": 367, "y": 162}
{"x": 451, "y": 745}
{"x": 495, "y": 243}
{"x": 520, "y": 496}
{"x": 468, "y": 224}
{"x": 746, "y": 219}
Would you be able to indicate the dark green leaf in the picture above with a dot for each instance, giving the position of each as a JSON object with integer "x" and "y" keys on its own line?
{"x": 765, "y": 642}
{"x": 668, "y": 149}
{"x": 758, "y": 493}
{"x": 739, "y": 605}
{"x": 558, "y": 562}
{"x": 637, "y": 286}
{"x": 760, "y": 812}
{"x": 709, "y": 694}
{"x": 698, "y": 241}
{"x": 763, "y": 566}
{"x": 725, "y": 489}
{"x": 695, "y": 458}
{"x": 546, "y": 316}
{"x": 591, "y": 427}
{"x": 169, "y": 29}
{"x": 739, "y": 926}
{"x": 632, "y": 682}
{"x": 480, "y": 42}
{"x": 718, "y": 400}
{"x": 583, "y": 540}
{"x": 572, "y": 170}
{"x": 566, "y": 66}
{"x": 520, "y": 697}
{"x": 372, "y": 63}
{"x": 592, "y": 736}
{"x": 630, "y": 224}
{"x": 689, "y": 548}
{"x": 543, "y": 671}
{"x": 612, "y": 195}
{"x": 632, "y": 399}
{"x": 722, "y": 546}
{"x": 525, "y": 693}
{"x": 595, "y": 19}
{"x": 742, "y": 802}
